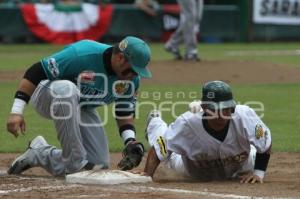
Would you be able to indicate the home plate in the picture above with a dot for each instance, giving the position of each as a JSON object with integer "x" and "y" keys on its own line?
{"x": 106, "y": 177}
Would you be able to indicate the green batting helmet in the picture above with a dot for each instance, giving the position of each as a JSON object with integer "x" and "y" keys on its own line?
{"x": 217, "y": 95}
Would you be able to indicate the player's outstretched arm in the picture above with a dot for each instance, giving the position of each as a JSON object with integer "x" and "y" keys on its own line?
{"x": 32, "y": 77}
{"x": 134, "y": 150}
{"x": 260, "y": 167}
{"x": 16, "y": 123}
{"x": 151, "y": 163}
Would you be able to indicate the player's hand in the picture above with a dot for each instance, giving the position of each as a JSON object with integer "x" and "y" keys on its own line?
{"x": 16, "y": 124}
{"x": 132, "y": 156}
{"x": 250, "y": 178}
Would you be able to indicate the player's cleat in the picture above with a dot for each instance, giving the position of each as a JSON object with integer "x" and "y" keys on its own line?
{"x": 90, "y": 167}
{"x": 192, "y": 57}
{"x": 175, "y": 51}
{"x": 24, "y": 161}
{"x": 153, "y": 114}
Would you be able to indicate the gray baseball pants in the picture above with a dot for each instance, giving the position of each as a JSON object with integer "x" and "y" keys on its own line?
{"x": 79, "y": 129}
{"x": 190, "y": 16}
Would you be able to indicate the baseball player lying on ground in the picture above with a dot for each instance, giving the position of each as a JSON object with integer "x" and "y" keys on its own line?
{"x": 221, "y": 141}
{"x": 66, "y": 87}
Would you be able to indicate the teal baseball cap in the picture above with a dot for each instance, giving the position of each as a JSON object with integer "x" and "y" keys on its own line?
{"x": 138, "y": 54}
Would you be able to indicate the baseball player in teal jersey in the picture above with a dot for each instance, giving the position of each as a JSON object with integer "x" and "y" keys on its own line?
{"x": 66, "y": 87}
{"x": 220, "y": 141}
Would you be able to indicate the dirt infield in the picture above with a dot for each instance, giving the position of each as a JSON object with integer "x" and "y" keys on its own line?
{"x": 283, "y": 176}
{"x": 282, "y": 180}
{"x": 179, "y": 72}
{"x": 236, "y": 72}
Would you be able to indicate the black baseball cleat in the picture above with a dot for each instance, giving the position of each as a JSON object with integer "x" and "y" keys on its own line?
{"x": 175, "y": 51}
{"x": 24, "y": 161}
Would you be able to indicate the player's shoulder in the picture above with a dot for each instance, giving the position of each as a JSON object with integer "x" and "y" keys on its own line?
{"x": 86, "y": 41}
{"x": 89, "y": 45}
{"x": 182, "y": 126}
{"x": 188, "y": 115}
{"x": 189, "y": 118}
{"x": 242, "y": 111}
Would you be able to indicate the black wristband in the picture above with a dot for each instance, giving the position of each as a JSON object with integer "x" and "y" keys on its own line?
{"x": 261, "y": 161}
{"x": 23, "y": 96}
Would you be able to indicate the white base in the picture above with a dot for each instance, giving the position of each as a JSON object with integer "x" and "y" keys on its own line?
{"x": 106, "y": 177}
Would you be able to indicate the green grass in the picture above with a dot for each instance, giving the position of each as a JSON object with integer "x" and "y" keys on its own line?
{"x": 280, "y": 113}
{"x": 221, "y": 52}
{"x": 18, "y": 57}
{"x": 280, "y": 100}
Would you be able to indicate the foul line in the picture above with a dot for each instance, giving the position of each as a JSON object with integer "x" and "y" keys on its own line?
{"x": 132, "y": 187}
{"x": 36, "y": 188}
{"x": 263, "y": 53}
{"x": 3, "y": 172}
{"x": 202, "y": 193}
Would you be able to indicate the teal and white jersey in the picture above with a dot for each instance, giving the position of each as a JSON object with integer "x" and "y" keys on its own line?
{"x": 83, "y": 64}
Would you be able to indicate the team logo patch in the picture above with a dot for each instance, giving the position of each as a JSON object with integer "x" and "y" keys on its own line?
{"x": 121, "y": 87}
{"x": 123, "y": 45}
{"x": 53, "y": 67}
{"x": 241, "y": 157}
{"x": 87, "y": 77}
{"x": 259, "y": 131}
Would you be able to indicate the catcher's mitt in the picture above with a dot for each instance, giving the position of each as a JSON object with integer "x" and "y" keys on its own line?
{"x": 132, "y": 156}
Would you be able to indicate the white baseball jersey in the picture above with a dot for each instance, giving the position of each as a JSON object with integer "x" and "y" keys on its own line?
{"x": 204, "y": 156}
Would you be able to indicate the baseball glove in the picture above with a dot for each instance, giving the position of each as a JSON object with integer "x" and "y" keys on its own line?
{"x": 132, "y": 156}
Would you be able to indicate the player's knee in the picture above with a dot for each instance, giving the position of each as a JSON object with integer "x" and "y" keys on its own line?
{"x": 63, "y": 89}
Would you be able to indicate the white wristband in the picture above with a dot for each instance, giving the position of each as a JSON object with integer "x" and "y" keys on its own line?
{"x": 128, "y": 134}
{"x": 18, "y": 106}
{"x": 259, "y": 173}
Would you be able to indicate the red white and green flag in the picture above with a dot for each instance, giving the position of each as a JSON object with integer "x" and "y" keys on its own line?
{"x": 61, "y": 24}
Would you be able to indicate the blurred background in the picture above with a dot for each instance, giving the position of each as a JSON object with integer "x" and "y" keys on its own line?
{"x": 65, "y": 21}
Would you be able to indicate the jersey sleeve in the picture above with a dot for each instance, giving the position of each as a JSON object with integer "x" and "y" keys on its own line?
{"x": 258, "y": 133}
{"x": 175, "y": 135}
{"x": 58, "y": 65}
{"x": 125, "y": 101}
{"x": 167, "y": 139}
